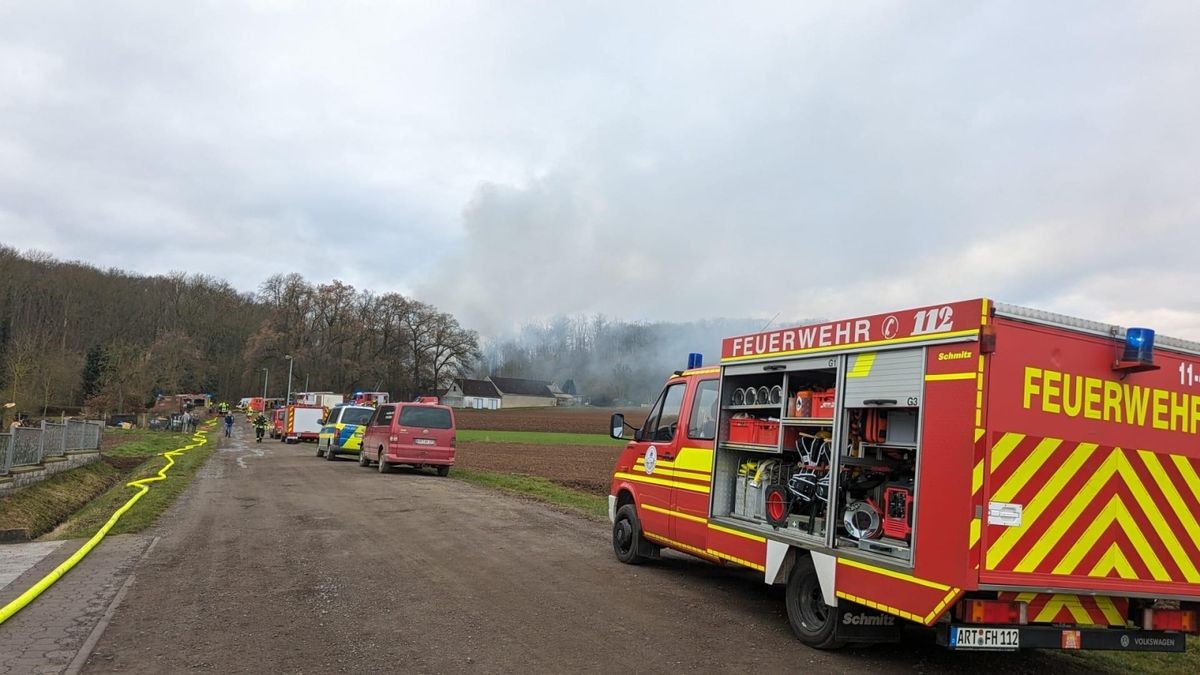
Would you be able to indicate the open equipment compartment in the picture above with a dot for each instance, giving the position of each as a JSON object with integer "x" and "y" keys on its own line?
{"x": 836, "y": 440}
{"x": 774, "y": 446}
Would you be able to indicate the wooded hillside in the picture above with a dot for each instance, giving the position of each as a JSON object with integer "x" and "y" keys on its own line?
{"x": 71, "y": 334}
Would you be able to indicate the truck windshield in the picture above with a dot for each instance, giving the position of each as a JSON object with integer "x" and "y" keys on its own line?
{"x": 429, "y": 418}
{"x": 356, "y": 416}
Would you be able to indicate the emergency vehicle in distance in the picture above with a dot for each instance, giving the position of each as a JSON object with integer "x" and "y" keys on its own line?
{"x": 1009, "y": 477}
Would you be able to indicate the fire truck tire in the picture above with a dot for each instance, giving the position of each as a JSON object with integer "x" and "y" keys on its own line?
{"x": 443, "y": 470}
{"x": 813, "y": 622}
{"x": 627, "y": 536}
{"x": 384, "y": 465}
{"x": 363, "y": 460}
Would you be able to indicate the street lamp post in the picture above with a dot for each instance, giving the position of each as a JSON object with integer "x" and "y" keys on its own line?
{"x": 288, "y": 399}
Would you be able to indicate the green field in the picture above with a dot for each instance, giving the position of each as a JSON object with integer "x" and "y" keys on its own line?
{"x": 536, "y": 437}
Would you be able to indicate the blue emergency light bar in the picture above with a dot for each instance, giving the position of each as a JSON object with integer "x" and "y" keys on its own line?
{"x": 695, "y": 360}
{"x": 1139, "y": 345}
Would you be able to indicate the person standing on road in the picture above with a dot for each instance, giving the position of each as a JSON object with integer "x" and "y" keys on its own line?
{"x": 228, "y": 424}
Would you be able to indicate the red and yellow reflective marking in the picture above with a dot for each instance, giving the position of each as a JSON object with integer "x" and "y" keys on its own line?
{"x": 858, "y": 345}
{"x": 952, "y": 593}
{"x": 1062, "y": 608}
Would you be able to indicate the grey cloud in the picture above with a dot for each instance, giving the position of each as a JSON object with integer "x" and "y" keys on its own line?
{"x": 513, "y": 161}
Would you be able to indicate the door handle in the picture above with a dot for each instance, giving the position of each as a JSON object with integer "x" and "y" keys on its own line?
{"x": 880, "y": 401}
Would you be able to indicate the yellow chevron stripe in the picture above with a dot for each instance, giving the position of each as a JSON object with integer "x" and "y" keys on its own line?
{"x": 979, "y": 433}
{"x": 736, "y": 533}
{"x": 862, "y": 365}
{"x": 1115, "y": 510}
{"x": 975, "y": 526}
{"x": 674, "y": 514}
{"x": 1113, "y": 559}
{"x": 1155, "y": 516}
{"x": 1111, "y": 615}
{"x": 1030, "y": 466}
{"x": 651, "y": 480}
{"x": 1026, "y": 597}
{"x": 1001, "y": 450}
{"x": 1189, "y": 474}
{"x": 977, "y": 478}
{"x": 1172, "y": 494}
{"x": 1032, "y": 511}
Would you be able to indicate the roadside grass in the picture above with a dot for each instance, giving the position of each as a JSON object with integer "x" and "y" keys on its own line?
{"x": 37, "y": 508}
{"x": 1145, "y": 662}
{"x": 539, "y": 489}
{"x": 162, "y": 494}
{"x": 148, "y": 444}
{"x": 536, "y": 437}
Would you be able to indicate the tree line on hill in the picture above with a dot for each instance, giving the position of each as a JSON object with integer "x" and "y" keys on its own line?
{"x": 74, "y": 336}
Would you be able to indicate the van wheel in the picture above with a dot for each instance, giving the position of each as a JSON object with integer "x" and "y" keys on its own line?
{"x": 329, "y": 455}
{"x": 627, "y": 536}
{"x": 812, "y": 620}
{"x": 444, "y": 470}
{"x": 384, "y": 465}
{"x": 362, "y": 458}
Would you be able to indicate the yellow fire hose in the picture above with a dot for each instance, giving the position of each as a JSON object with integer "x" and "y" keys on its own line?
{"x": 6, "y": 612}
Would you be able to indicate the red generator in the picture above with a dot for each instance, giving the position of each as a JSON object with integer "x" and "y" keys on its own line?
{"x": 897, "y": 511}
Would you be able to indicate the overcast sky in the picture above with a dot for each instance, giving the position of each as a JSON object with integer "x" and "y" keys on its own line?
{"x": 510, "y": 160}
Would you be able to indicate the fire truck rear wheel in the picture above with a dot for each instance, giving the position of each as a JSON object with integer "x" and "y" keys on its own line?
{"x": 627, "y": 536}
{"x": 813, "y": 621}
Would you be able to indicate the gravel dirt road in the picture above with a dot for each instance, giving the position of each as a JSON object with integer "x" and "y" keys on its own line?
{"x": 276, "y": 561}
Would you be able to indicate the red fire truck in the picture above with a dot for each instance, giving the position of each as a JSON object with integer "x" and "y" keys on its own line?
{"x": 1009, "y": 477}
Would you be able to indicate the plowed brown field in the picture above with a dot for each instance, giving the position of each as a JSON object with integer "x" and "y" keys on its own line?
{"x": 583, "y": 467}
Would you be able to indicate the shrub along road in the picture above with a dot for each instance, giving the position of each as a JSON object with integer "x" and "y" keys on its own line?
{"x": 275, "y": 560}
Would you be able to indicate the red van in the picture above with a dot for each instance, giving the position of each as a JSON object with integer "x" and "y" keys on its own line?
{"x": 418, "y": 434}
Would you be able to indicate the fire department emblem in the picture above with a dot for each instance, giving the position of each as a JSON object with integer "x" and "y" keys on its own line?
{"x": 651, "y": 459}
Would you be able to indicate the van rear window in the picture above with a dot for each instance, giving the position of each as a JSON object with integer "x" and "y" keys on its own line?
{"x": 356, "y": 416}
{"x": 429, "y": 418}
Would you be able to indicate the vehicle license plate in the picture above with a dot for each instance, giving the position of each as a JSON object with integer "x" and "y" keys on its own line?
{"x": 985, "y": 638}
{"x": 425, "y": 441}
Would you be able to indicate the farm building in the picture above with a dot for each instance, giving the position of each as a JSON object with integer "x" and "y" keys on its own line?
{"x": 491, "y": 393}
{"x": 478, "y": 394}
{"x": 518, "y": 393}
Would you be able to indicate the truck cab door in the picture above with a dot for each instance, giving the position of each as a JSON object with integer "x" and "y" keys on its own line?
{"x": 692, "y": 469}
{"x": 657, "y": 444}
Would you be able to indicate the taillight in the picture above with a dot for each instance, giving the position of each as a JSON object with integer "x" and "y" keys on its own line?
{"x": 992, "y": 611}
{"x": 393, "y": 438}
{"x": 1182, "y": 620}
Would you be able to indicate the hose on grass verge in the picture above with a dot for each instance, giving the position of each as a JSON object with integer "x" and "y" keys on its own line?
{"x": 199, "y": 438}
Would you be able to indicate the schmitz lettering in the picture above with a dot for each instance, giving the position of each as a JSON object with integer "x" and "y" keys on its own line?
{"x": 850, "y": 619}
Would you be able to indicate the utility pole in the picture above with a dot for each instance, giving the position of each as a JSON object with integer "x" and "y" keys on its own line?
{"x": 288, "y": 399}
{"x": 266, "y": 374}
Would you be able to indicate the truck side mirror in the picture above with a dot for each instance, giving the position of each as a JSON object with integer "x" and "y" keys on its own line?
{"x": 617, "y": 426}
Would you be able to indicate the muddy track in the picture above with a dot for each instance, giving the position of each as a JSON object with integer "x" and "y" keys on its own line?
{"x": 295, "y": 564}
